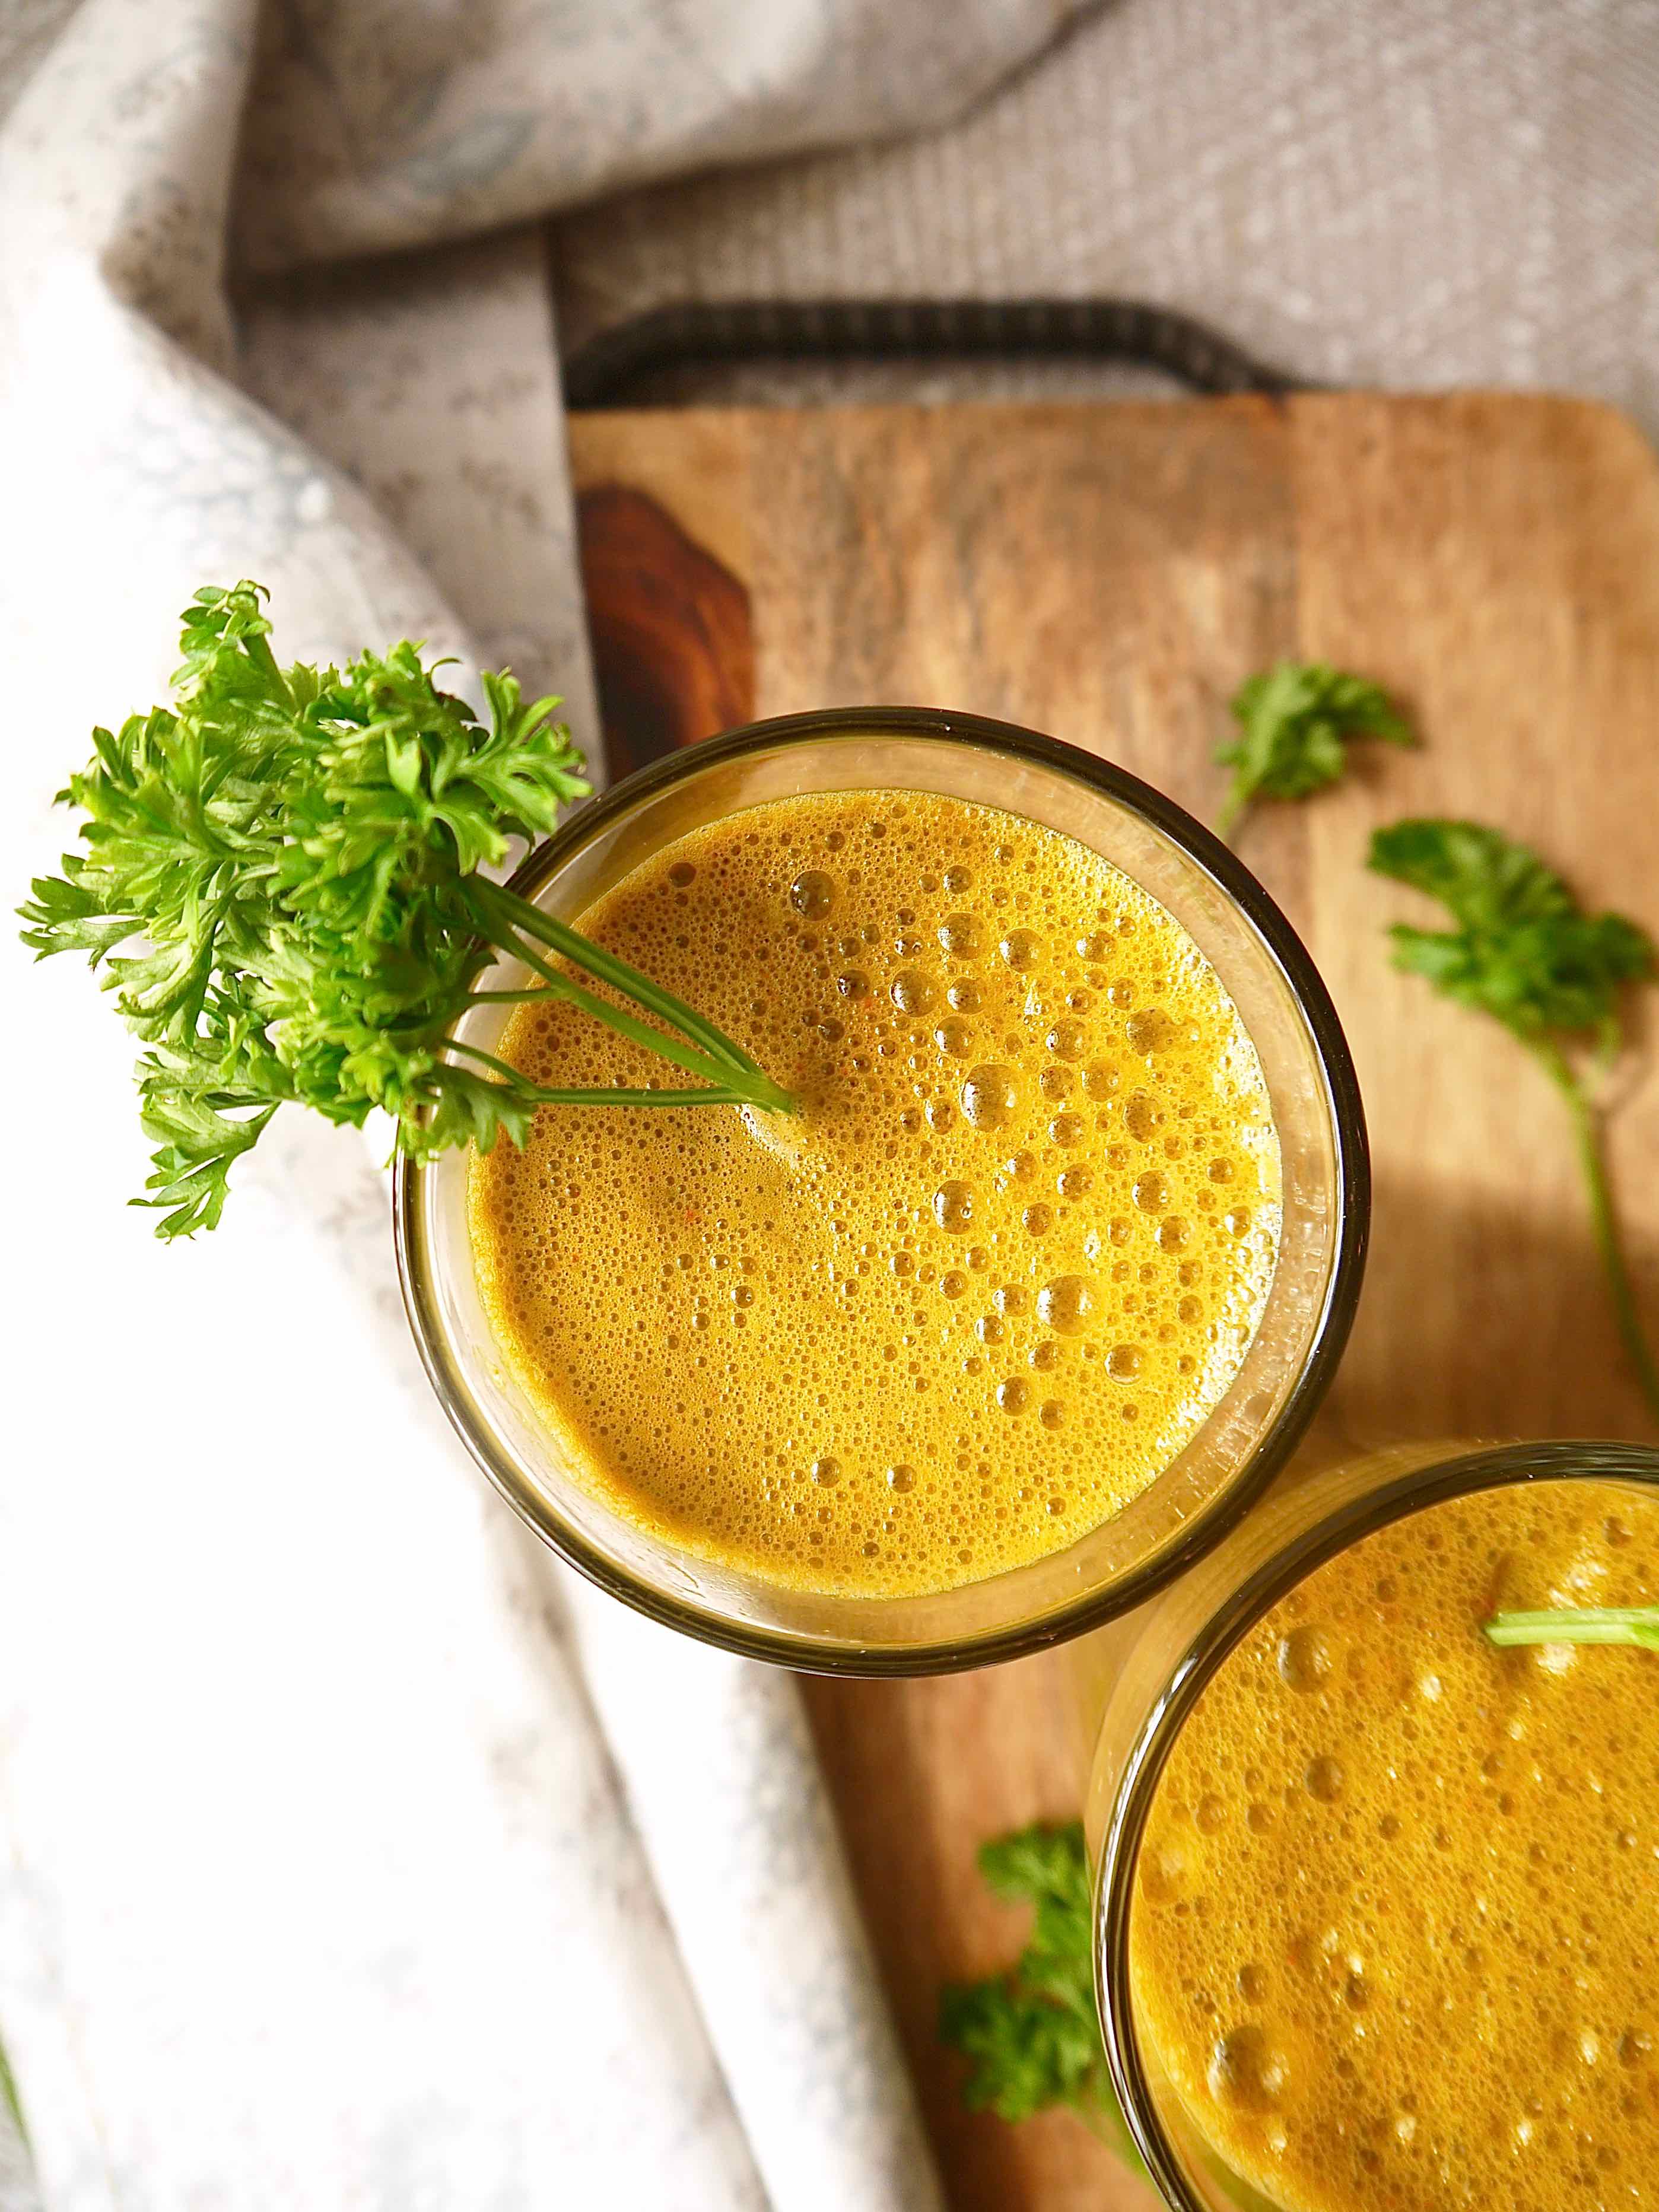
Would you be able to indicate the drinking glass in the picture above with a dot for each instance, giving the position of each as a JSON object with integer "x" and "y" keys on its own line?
{"x": 1304, "y": 1323}
{"x": 1183, "y": 1639}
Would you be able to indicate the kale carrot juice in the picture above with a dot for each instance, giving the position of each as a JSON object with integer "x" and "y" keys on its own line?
{"x": 984, "y": 1286}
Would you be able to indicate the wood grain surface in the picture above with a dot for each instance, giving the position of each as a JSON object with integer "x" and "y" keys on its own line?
{"x": 1109, "y": 573}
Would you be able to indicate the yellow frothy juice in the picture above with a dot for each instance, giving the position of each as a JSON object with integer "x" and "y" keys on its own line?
{"x": 987, "y": 1284}
{"x": 1395, "y": 1934}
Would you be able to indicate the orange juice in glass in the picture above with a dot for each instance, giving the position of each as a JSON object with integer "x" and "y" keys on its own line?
{"x": 1375, "y": 1911}
{"x": 1022, "y": 1305}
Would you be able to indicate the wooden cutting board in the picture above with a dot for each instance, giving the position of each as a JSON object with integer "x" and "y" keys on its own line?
{"x": 1109, "y": 573}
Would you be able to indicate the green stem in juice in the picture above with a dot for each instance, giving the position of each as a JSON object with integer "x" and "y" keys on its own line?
{"x": 690, "y": 1041}
{"x": 620, "y": 1094}
{"x": 1636, "y": 1624}
{"x": 497, "y": 906}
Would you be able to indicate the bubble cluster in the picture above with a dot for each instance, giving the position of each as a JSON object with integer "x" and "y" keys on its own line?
{"x": 989, "y": 1096}
{"x": 1066, "y": 1304}
{"x": 953, "y": 1207}
{"x": 979, "y": 1293}
{"x": 1393, "y": 1938}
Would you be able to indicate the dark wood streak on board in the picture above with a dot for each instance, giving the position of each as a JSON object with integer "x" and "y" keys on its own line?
{"x": 673, "y": 651}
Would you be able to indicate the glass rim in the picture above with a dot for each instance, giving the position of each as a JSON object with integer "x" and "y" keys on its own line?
{"x": 1352, "y": 1184}
{"x": 1491, "y": 1468}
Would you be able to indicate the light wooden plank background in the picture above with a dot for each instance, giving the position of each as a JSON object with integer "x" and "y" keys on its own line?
{"x": 1109, "y": 573}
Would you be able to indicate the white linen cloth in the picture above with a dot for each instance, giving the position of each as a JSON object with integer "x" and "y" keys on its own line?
{"x": 319, "y": 1880}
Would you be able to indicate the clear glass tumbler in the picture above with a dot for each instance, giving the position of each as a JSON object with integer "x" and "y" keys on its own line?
{"x": 1315, "y": 1105}
{"x": 1183, "y": 1639}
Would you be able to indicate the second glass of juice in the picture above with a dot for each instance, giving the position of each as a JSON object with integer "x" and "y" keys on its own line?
{"x": 1018, "y": 1312}
{"x": 1376, "y": 1920}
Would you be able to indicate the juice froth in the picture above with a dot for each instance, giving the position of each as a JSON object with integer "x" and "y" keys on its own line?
{"x": 1395, "y": 1942}
{"x": 985, "y": 1286}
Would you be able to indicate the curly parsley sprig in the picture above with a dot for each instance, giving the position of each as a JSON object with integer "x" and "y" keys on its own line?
{"x": 1295, "y": 723}
{"x": 295, "y": 855}
{"x": 1032, "y": 2034}
{"x": 1525, "y": 952}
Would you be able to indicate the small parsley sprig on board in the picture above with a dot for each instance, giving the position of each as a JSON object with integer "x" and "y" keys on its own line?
{"x": 1525, "y": 952}
{"x": 1032, "y": 2033}
{"x": 1295, "y": 723}
{"x": 297, "y": 854}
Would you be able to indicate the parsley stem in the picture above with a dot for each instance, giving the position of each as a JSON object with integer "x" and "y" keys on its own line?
{"x": 521, "y": 916}
{"x": 623, "y": 1094}
{"x": 691, "y": 1057}
{"x": 1231, "y": 808}
{"x": 1609, "y": 1241}
{"x": 586, "y": 1095}
{"x": 626, "y": 1094}
{"x": 1590, "y": 1624}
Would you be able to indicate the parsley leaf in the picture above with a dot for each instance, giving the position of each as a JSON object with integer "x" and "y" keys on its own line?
{"x": 1526, "y": 953}
{"x": 1296, "y": 721}
{"x": 282, "y": 885}
{"x": 1032, "y": 2033}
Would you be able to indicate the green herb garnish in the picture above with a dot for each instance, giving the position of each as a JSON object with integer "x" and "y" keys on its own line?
{"x": 1032, "y": 2034}
{"x": 298, "y": 851}
{"x": 1587, "y": 1624}
{"x": 10, "y": 2099}
{"x": 1525, "y": 952}
{"x": 1296, "y": 721}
